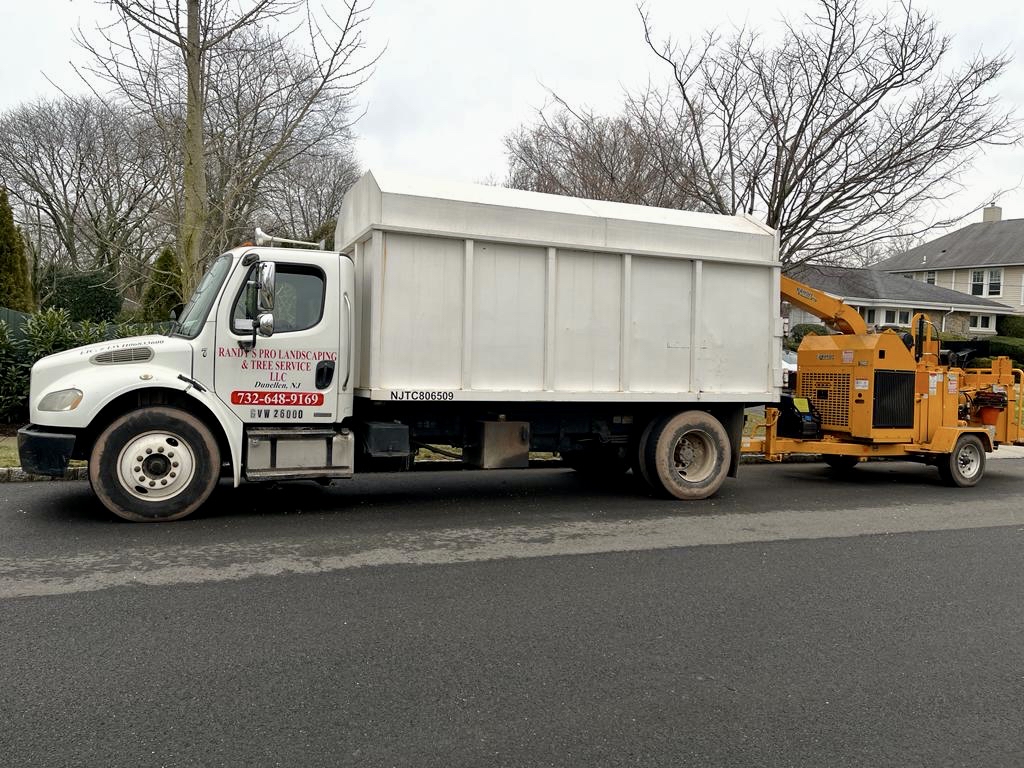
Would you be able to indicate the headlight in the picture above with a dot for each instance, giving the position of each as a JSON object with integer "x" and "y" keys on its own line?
{"x": 61, "y": 400}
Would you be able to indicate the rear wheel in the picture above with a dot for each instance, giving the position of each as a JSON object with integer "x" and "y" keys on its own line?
{"x": 155, "y": 464}
{"x": 687, "y": 455}
{"x": 965, "y": 466}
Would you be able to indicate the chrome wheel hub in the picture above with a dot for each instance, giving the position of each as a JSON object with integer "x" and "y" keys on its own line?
{"x": 694, "y": 456}
{"x": 156, "y": 466}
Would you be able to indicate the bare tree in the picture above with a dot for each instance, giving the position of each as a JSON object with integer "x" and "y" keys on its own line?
{"x": 91, "y": 183}
{"x": 255, "y": 141}
{"x": 841, "y": 133}
{"x": 303, "y": 199}
{"x": 165, "y": 58}
{"x": 633, "y": 157}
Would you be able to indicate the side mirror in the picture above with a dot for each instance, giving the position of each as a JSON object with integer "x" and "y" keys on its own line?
{"x": 265, "y": 324}
{"x": 175, "y": 311}
{"x": 265, "y": 278}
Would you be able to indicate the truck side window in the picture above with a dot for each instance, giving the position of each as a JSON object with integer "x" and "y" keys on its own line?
{"x": 298, "y": 300}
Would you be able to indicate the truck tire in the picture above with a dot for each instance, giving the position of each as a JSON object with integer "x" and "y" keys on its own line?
{"x": 965, "y": 466}
{"x": 640, "y": 464}
{"x": 686, "y": 456}
{"x": 154, "y": 465}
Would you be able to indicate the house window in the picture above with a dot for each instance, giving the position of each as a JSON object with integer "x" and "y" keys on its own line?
{"x": 929, "y": 277}
{"x": 869, "y": 316}
{"x": 978, "y": 282}
{"x": 895, "y": 316}
{"x": 995, "y": 282}
{"x": 987, "y": 282}
{"x": 983, "y": 322}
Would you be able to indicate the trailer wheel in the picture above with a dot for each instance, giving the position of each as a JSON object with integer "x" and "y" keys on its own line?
{"x": 154, "y": 465}
{"x": 840, "y": 462}
{"x": 965, "y": 466}
{"x": 687, "y": 455}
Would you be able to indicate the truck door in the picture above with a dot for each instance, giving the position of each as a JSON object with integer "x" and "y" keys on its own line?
{"x": 294, "y": 376}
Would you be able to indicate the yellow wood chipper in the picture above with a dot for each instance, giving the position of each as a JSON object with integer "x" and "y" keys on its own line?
{"x": 859, "y": 394}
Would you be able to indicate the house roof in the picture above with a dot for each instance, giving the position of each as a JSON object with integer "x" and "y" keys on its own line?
{"x": 989, "y": 243}
{"x": 872, "y": 287}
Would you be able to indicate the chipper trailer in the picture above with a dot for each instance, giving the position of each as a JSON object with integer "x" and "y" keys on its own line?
{"x": 859, "y": 394}
{"x": 498, "y": 322}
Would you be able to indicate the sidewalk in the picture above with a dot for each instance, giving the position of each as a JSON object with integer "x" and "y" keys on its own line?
{"x": 9, "y": 447}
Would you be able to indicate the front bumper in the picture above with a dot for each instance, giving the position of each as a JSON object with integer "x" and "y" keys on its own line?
{"x": 43, "y": 452}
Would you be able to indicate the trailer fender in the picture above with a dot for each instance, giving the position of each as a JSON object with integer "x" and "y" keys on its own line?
{"x": 944, "y": 440}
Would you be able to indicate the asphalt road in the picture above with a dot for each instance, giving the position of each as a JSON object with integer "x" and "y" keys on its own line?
{"x": 521, "y": 619}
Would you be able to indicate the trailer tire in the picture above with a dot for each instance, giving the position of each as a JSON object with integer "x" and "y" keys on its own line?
{"x": 964, "y": 467}
{"x": 154, "y": 465}
{"x": 687, "y": 455}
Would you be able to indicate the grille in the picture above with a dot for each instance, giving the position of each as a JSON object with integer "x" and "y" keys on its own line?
{"x": 894, "y": 399}
{"x": 834, "y": 407}
{"x": 130, "y": 355}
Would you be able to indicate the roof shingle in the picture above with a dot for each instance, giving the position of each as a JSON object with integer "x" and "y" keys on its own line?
{"x": 982, "y": 244}
{"x": 873, "y": 285}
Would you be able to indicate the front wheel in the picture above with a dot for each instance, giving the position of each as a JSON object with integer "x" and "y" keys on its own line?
{"x": 963, "y": 467}
{"x": 686, "y": 455}
{"x": 154, "y": 465}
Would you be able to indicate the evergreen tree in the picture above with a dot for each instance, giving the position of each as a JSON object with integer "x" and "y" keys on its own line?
{"x": 28, "y": 302}
{"x": 14, "y": 286}
{"x": 164, "y": 290}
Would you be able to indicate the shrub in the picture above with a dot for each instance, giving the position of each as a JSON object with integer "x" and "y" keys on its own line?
{"x": 45, "y": 333}
{"x": 164, "y": 291}
{"x": 798, "y": 331}
{"x": 1010, "y": 325}
{"x": 1007, "y": 345}
{"x": 12, "y": 377}
{"x": 91, "y": 296}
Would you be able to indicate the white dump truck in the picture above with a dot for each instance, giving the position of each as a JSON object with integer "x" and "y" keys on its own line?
{"x": 493, "y": 320}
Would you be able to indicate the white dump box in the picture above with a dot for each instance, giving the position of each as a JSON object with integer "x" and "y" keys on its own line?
{"x": 470, "y": 292}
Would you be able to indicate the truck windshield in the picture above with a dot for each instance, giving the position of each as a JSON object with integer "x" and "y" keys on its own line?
{"x": 195, "y": 313}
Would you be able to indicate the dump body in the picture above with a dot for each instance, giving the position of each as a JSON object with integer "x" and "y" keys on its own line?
{"x": 479, "y": 293}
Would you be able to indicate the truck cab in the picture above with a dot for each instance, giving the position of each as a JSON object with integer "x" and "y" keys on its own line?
{"x": 254, "y": 376}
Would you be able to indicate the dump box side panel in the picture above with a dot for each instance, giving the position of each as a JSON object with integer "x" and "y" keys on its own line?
{"x": 506, "y": 327}
{"x": 473, "y": 319}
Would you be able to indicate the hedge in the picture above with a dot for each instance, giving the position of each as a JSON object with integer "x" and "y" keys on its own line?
{"x": 45, "y": 333}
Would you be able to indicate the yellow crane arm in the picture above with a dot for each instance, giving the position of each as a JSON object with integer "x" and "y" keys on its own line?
{"x": 833, "y": 312}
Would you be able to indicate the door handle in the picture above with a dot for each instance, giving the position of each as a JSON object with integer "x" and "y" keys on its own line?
{"x": 349, "y": 340}
{"x": 324, "y": 374}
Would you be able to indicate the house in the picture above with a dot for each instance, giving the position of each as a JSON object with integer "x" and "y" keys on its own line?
{"x": 885, "y": 299}
{"x": 984, "y": 259}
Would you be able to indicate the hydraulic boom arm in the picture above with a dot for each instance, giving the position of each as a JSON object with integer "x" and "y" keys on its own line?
{"x": 833, "y": 312}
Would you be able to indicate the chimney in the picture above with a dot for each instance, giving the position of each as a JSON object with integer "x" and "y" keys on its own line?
{"x": 992, "y": 213}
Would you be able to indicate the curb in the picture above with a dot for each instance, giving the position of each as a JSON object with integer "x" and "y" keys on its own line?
{"x": 18, "y": 475}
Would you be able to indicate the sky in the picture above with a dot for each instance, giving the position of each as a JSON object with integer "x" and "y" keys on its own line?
{"x": 456, "y": 76}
